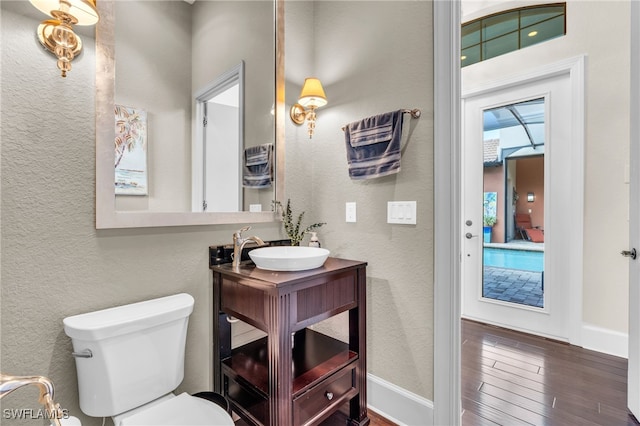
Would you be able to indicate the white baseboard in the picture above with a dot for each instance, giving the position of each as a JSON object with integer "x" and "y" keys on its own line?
{"x": 398, "y": 405}
{"x": 604, "y": 340}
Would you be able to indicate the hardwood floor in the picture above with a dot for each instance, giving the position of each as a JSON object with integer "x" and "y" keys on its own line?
{"x": 511, "y": 378}
{"x": 339, "y": 419}
{"x": 378, "y": 420}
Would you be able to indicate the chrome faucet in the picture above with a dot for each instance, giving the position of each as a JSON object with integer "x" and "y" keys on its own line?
{"x": 10, "y": 383}
{"x": 239, "y": 242}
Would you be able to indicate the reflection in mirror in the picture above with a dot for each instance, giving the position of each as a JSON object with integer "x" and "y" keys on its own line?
{"x": 218, "y": 144}
{"x": 150, "y": 82}
{"x": 191, "y": 46}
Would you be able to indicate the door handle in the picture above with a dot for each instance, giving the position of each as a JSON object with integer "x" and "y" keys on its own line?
{"x": 632, "y": 254}
{"x": 469, "y": 235}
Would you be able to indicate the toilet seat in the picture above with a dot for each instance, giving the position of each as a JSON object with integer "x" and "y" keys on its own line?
{"x": 172, "y": 410}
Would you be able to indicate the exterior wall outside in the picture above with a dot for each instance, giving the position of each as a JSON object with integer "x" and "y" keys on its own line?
{"x": 601, "y": 31}
{"x": 494, "y": 182}
{"x": 530, "y": 178}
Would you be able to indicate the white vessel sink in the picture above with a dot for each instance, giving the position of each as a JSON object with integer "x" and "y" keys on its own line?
{"x": 288, "y": 258}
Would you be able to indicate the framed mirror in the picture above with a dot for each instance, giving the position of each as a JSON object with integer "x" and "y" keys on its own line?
{"x": 160, "y": 66}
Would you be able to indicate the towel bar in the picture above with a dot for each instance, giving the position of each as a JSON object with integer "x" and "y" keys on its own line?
{"x": 415, "y": 113}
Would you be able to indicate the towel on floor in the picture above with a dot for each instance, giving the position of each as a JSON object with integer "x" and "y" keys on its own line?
{"x": 373, "y": 145}
{"x": 258, "y": 166}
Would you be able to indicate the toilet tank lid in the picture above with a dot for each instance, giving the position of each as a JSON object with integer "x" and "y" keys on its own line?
{"x": 130, "y": 318}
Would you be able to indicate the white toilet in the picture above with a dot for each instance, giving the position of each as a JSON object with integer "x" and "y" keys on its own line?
{"x": 130, "y": 359}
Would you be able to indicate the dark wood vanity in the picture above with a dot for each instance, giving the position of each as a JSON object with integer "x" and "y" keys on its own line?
{"x": 294, "y": 375}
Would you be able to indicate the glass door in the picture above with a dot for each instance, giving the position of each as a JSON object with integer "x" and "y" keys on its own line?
{"x": 513, "y": 203}
{"x": 515, "y": 213}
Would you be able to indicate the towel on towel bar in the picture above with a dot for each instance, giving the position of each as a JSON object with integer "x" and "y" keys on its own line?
{"x": 258, "y": 166}
{"x": 373, "y": 145}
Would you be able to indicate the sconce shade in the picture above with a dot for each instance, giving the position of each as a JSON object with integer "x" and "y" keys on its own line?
{"x": 84, "y": 11}
{"x": 311, "y": 97}
{"x": 531, "y": 197}
{"x": 312, "y": 94}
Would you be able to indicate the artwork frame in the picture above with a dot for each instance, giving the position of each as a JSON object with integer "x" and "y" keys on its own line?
{"x": 130, "y": 151}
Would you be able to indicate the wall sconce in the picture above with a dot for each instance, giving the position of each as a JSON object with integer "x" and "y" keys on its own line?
{"x": 531, "y": 197}
{"x": 57, "y": 35}
{"x": 311, "y": 97}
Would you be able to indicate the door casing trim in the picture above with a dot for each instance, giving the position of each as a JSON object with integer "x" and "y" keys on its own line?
{"x": 447, "y": 145}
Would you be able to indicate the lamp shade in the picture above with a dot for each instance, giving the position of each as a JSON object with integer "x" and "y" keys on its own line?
{"x": 84, "y": 11}
{"x": 312, "y": 94}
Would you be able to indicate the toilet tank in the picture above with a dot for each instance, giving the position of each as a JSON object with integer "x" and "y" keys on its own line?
{"x": 137, "y": 353}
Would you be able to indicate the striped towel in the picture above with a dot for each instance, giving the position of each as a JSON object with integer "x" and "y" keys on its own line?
{"x": 373, "y": 145}
{"x": 258, "y": 166}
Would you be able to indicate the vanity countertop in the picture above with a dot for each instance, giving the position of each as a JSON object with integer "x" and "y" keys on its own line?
{"x": 268, "y": 278}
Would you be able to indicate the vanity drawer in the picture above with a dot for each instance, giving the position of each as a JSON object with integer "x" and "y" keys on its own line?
{"x": 325, "y": 297}
{"x": 314, "y": 405}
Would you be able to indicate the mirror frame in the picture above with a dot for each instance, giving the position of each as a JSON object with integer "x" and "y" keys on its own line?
{"x": 107, "y": 217}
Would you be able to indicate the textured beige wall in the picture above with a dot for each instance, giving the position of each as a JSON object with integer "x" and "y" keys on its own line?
{"x": 373, "y": 57}
{"x": 55, "y": 264}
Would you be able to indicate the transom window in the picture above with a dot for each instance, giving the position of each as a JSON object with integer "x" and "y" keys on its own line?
{"x": 514, "y": 29}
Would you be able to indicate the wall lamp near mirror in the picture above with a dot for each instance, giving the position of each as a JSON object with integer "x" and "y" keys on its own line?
{"x": 311, "y": 97}
{"x": 57, "y": 35}
{"x": 531, "y": 197}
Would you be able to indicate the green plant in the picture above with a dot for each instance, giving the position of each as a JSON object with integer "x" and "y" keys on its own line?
{"x": 293, "y": 229}
{"x": 489, "y": 220}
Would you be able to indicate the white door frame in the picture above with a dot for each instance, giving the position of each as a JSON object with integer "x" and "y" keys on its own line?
{"x": 564, "y": 210}
{"x": 447, "y": 121}
{"x": 447, "y": 396}
{"x": 221, "y": 83}
{"x": 633, "y": 373}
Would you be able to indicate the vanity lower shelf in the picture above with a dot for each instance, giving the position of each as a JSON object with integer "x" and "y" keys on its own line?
{"x": 323, "y": 371}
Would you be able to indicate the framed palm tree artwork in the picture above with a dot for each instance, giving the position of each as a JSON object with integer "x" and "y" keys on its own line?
{"x": 130, "y": 151}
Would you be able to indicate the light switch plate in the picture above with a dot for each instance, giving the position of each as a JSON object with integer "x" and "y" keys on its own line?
{"x": 350, "y": 212}
{"x": 402, "y": 212}
{"x": 255, "y": 208}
